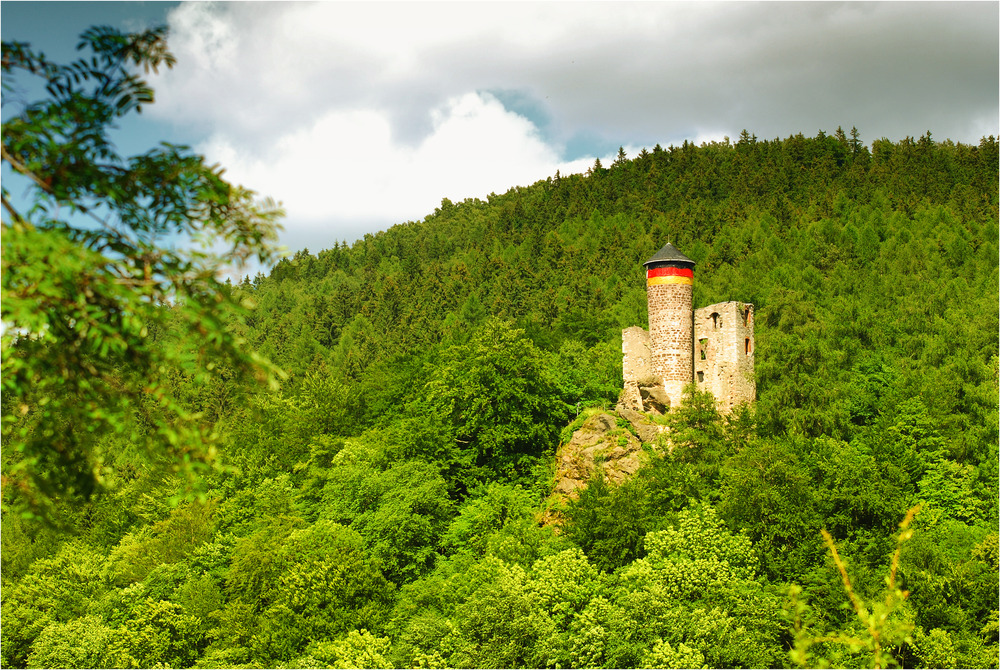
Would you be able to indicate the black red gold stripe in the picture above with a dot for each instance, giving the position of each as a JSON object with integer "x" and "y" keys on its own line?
{"x": 669, "y": 272}
{"x": 669, "y": 275}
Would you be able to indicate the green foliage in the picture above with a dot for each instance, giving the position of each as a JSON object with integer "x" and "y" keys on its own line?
{"x": 200, "y": 596}
{"x": 487, "y": 511}
{"x": 936, "y": 649}
{"x": 950, "y": 574}
{"x": 609, "y": 521}
{"x": 696, "y": 426}
{"x": 359, "y": 649}
{"x": 79, "y": 643}
{"x": 322, "y": 584}
{"x": 22, "y": 544}
{"x": 55, "y": 590}
{"x": 384, "y": 505}
{"x": 87, "y": 345}
{"x": 563, "y": 584}
{"x": 697, "y": 586}
{"x": 167, "y": 541}
{"x": 404, "y": 518}
{"x": 684, "y": 560}
{"x": 147, "y": 632}
{"x": 767, "y": 493}
{"x": 957, "y": 490}
{"x": 497, "y": 394}
{"x": 587, "y": 376}
{"x": 493, "y": 626}
{"x": 854, "y": 490}
{"x": 885, "y": 626}
{"x": 662, "y": 655}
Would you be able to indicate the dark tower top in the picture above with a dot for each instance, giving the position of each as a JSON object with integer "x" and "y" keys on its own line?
{"x": 669, "y": 255}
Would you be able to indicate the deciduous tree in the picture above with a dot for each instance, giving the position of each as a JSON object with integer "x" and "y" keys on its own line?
{"x": 108, "y": 251}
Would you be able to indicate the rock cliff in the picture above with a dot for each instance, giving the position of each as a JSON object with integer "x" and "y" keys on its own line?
{"x": 608, "y": 442}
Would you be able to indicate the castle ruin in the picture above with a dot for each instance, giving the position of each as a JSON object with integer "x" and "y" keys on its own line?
{"x": 712, "y": 346}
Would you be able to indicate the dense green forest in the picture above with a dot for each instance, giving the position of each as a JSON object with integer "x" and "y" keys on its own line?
{"x": 381, "y": 503}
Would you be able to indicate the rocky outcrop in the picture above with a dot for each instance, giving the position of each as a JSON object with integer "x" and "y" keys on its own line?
{"x": 641, "y": 425}
{"x": 654, "y": 398}
{"x": 601, "y": 444}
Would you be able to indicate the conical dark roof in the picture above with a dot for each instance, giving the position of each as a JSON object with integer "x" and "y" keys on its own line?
{"x": 670, "y": 254}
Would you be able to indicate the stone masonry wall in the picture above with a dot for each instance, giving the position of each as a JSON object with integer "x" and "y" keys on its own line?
{"x": 636, "y": 356}
{"x": 724, "y": 353}
{"x": 671, "y": 336}
{"x": 636, "y": 365}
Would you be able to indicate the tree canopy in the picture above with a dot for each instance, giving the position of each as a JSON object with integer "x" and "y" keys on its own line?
{"x": 387, "y": 502}
{"x": 107, "y": 248}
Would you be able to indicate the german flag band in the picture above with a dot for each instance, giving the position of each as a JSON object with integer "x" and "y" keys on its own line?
{"x": 668, "y": 275}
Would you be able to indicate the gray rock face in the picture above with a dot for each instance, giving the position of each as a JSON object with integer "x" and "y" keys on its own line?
{"x": 646, "y": 429}
{"x": 654, "y": 398}
{"x": 600, "y": 443}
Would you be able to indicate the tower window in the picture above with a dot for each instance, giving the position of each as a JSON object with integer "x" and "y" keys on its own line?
{"x": 701, "y": 376}
{"x": 746, "y": 316}
{"x": 716, "y": 320}
{"x": 749, "y": 351}
{"x": 703, "y": 347}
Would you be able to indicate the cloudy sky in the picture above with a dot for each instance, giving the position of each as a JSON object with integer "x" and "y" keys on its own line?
{"x": 361, "y": 115}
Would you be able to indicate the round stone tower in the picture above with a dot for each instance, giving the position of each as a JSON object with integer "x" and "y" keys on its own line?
{"x": 669, "y": 288}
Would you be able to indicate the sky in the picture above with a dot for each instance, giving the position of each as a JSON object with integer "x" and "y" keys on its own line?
{"x": 358, "y": 116}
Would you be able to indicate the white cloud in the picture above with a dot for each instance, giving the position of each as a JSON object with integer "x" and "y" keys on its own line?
{"x": 642, "y": 72}
{"x": 344, "y": 169}
{"x": 360, "y": 115}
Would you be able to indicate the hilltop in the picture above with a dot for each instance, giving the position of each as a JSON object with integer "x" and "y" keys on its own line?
{"x": 384, "y": 506}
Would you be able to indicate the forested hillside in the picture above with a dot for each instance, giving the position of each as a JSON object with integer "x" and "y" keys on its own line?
{"x": 382, "y": 507}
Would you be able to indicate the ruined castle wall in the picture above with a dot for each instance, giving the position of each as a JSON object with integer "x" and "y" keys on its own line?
{"x": 636, "y": 356}
{"x": 723, "y": 351}
{"x": 636, "y": 365}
